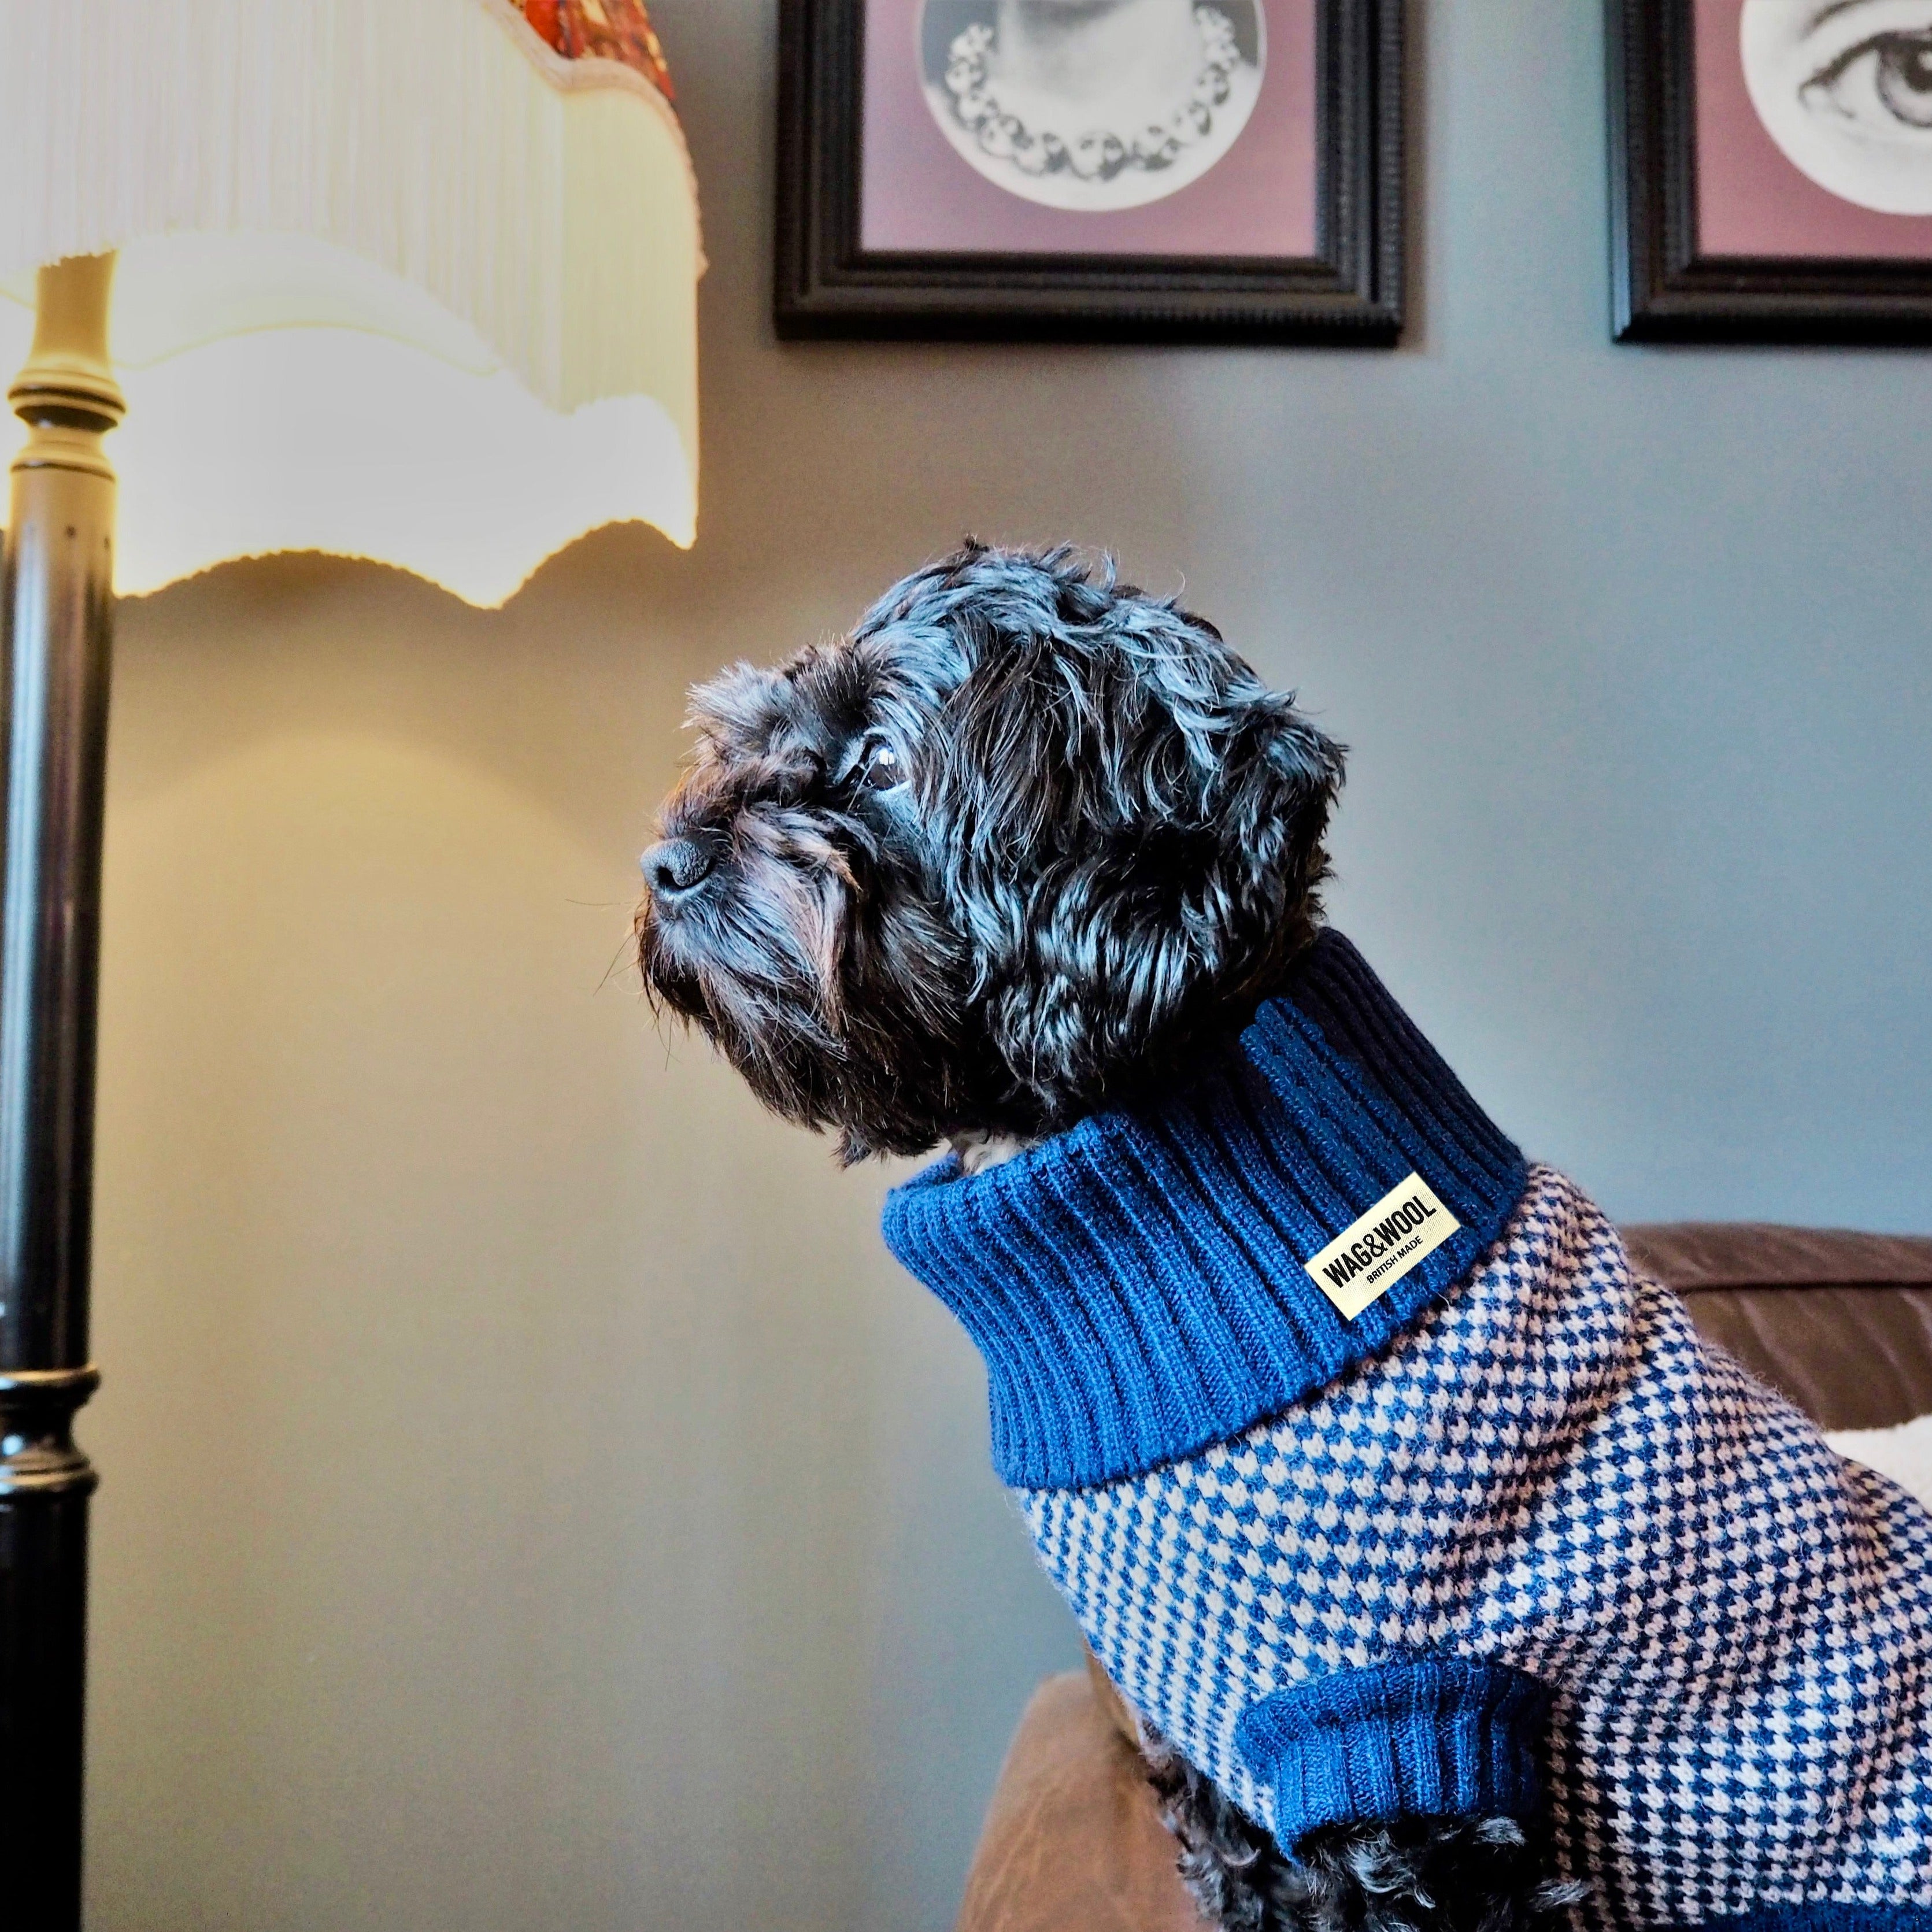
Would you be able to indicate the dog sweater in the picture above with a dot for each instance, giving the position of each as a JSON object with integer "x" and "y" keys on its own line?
{"x": 1382, "y": 1485}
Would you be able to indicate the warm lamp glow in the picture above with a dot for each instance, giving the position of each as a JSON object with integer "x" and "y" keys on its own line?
{"x": 411, "y": 285}
{"x": 411, "y": 280}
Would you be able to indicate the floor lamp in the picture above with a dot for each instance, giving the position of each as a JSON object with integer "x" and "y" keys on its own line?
{"x": 412, "y": 283}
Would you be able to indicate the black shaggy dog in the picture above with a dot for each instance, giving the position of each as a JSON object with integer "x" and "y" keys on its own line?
{"x": 1027, "y": 844}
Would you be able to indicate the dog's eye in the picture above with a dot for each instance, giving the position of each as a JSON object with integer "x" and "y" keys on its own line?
{"x": 878, "y": 768}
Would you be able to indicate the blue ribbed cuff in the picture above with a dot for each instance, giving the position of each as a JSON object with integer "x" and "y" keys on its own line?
{"x": 1422, "y": 1737}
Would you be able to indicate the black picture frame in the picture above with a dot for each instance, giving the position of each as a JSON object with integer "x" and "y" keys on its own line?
{"x": 1664, "y": 287}
{"x": 1349, "y": 294}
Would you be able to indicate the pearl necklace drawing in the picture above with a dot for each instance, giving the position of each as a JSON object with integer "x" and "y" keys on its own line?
{"x": 1096, "y": 154}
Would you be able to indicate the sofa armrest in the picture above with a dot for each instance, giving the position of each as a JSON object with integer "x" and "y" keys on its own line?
{"x": 1840, "y": 1321}
{"x": 1073, "y": 1841}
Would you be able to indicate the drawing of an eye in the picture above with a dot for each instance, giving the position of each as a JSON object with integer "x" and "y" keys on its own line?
{"x": 1883, "y": 85}
{"x": 1844, "y": 88}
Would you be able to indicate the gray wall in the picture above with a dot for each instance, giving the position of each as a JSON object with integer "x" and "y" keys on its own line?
{"x": 532, "y": 1498}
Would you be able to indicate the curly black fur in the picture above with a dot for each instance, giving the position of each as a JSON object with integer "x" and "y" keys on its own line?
{"x": 1104, "y": 850}
{"x": 1415, "y": 1875}
{"x": 1027, "y": 842}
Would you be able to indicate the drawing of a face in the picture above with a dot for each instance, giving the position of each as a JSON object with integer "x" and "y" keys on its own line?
{"x": 1844, "y": 88}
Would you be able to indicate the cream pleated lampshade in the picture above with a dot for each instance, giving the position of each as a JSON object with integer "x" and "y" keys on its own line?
{"x": 408, "y": 279}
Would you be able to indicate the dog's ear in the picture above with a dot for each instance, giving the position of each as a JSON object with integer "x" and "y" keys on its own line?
{"x": 1138, "y": 850}
{"x": 1279, "y": 779}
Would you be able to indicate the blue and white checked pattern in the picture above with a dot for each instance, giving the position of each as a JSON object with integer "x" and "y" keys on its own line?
{"x": 1551, "y": 1470}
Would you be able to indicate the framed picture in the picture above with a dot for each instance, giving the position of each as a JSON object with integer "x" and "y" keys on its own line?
{"x": 1123, "y": 170}
{"x": 1771, "y": 170}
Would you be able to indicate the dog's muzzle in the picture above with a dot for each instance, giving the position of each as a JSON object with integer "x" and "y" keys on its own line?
{"x": 675, "y": 867}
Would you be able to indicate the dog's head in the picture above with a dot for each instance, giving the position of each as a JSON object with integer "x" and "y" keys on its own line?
{"x": 1025, "y": 845}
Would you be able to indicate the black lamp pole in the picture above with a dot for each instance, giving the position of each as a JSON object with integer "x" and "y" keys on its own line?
{"x": 56, "y": 628}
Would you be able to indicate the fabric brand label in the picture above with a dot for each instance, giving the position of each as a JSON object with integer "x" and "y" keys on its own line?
{"x": 1369, "y": 1256}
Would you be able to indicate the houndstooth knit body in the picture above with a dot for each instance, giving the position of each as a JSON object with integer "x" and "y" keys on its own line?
{"x": 1513, "y": 1539}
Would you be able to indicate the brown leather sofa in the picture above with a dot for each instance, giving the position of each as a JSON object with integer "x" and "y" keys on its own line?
{"x": 1841, "y": 1322}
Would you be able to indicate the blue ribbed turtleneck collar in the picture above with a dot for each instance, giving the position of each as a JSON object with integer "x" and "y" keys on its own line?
{"x": 1136, "y": 1284}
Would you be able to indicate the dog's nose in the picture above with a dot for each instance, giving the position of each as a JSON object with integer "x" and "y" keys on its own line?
{"x": 674, "y": 867}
